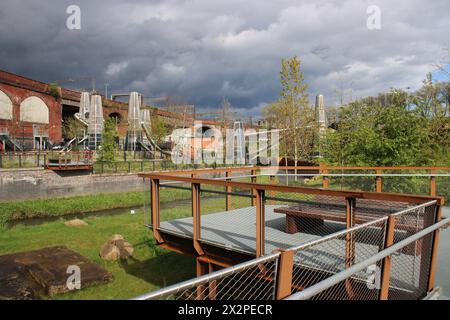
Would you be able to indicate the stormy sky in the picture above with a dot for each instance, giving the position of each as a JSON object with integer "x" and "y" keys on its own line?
{"x": 207, "y": 50}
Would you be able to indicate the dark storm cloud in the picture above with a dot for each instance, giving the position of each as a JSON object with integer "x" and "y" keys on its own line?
{"x": 205, "y": 50}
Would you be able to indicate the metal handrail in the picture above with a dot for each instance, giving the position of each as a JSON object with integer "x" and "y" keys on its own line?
{"x": 338, "y": 234}
{"x": 357, "y": 174}
{"x": 343, "y": 275}
{"x": 423, "y": 205}
{"x": 206, "y": 278}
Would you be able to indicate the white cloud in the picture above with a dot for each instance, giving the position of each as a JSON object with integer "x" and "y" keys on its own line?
{"x": 115, "y": 68}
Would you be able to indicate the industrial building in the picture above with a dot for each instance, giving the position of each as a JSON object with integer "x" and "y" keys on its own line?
{"x": 32, "y": 113}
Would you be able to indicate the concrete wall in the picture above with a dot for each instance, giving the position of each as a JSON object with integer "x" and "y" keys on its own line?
{"x": 33, "y": 109}
{"x": 27, "y": 184}
{"x": 6, "y": 107}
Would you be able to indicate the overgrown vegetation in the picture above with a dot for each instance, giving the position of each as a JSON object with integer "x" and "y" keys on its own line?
{"x": 393, "y": 129}
{"x": 72, "y": 128}
{"x": 159, "y": 129}
{"x": 53, "y": 90}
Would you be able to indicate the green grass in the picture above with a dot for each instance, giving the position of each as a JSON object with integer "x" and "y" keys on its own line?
{"x": 151, "y": 267}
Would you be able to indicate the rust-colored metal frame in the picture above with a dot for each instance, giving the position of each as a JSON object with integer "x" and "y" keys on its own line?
{"x": 210, "y": 257}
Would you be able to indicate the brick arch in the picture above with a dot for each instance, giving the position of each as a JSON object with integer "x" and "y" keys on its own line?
{"x": 117, "y": 115}
{"x": 34, "y": 109}
{"x": 6, "y": 106}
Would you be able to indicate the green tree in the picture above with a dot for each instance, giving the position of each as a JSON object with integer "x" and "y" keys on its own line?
{"x": 292, "y": 113}
{"x": 72, "y": 129}
{"x": 108, "y": 145}
{"x": 379, "y": 131}
{"x": 159, "y": 129}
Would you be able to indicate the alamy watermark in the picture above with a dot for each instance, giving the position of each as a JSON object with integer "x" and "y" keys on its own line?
{"x": 73, "y": 21}
{"x": 373, "y": 21}
{"x": 74, "y": 280}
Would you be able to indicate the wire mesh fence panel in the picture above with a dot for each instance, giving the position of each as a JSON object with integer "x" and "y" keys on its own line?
{"x": 356, "y": 182}
{"x": 399, "y": 183}
{"x": 212, "y": 200}
{"x": 253, "y": 282}
{"x": 410, "y": 268}
{"x": 413, "y": 220}
{"x": 295, "y": 218}
{"x": 443, "y": 186}
{"x": 408, "y": 279}
{"x": 367, "y": 210}
{"x": 176, "y": 209}
{"x": 146, "y": 194}
{"x": 228, "y": 219}
{"x": 316, "y": 261}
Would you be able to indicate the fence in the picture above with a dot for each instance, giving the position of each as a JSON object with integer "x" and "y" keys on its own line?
{"x": 257, "y": 218}
{"x": 16, "y": 160}
{"x": 253, "y": 280}
{"x": 366, "y": 262}
{"x": 141, "y": 165}
{"x": 411, "y": 180}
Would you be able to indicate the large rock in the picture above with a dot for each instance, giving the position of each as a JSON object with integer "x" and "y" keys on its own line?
{"x": 116, "y": 248}
{"x": 75, "y": 223}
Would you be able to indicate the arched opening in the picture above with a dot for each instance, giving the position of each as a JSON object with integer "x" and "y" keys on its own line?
{"x": 117, "y": 118}
{"x": 6, "y": 107}
{"x": 34, "y": 110}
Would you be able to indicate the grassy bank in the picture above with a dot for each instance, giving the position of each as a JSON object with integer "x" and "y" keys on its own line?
{"x": 42, "y": 208}
{"x": 149, "y": 269}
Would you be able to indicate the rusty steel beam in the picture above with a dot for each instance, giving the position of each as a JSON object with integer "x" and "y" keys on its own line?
{"x": 155, "y": 208}
{"x": 325, "y": 180}
{"x": 379, "y": 181}
{"x": 202, "y": 269}
{"x": 228, "y": 189}
{"x": 284, "y": 274}
{"x": 350, "y": 240}
{"x": 386, "y": 264}
{"x": 433, "y": 184}
{"x": 396, "y": 197}
{"x": 196, "y": 216}
{"x": 434, "y": 251}
{"x": 260, "y": 223}
{"x": 212, "y": 290}
{"x": 253, "y": 179}
{"x": 362, "y": 168}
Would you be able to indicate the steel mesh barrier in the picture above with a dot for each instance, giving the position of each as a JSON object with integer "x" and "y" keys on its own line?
{"x": 325, "y": 257}
{"x": 254, "y": 280}
{"x": 409, "y": 266}
{"x": 328, "y": 234}
{"x": 401, "y": 286}
{"x": 176, "y": 209}
{"x": 295, "y": 218}
{"x": 228, "y": 219}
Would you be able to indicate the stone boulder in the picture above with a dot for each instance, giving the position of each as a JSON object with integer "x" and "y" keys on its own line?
{"x": 75, "y": 223}
{"x": 116, "y": 248}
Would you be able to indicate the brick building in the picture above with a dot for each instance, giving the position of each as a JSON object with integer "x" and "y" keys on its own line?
{"x": 32, "y": 113}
